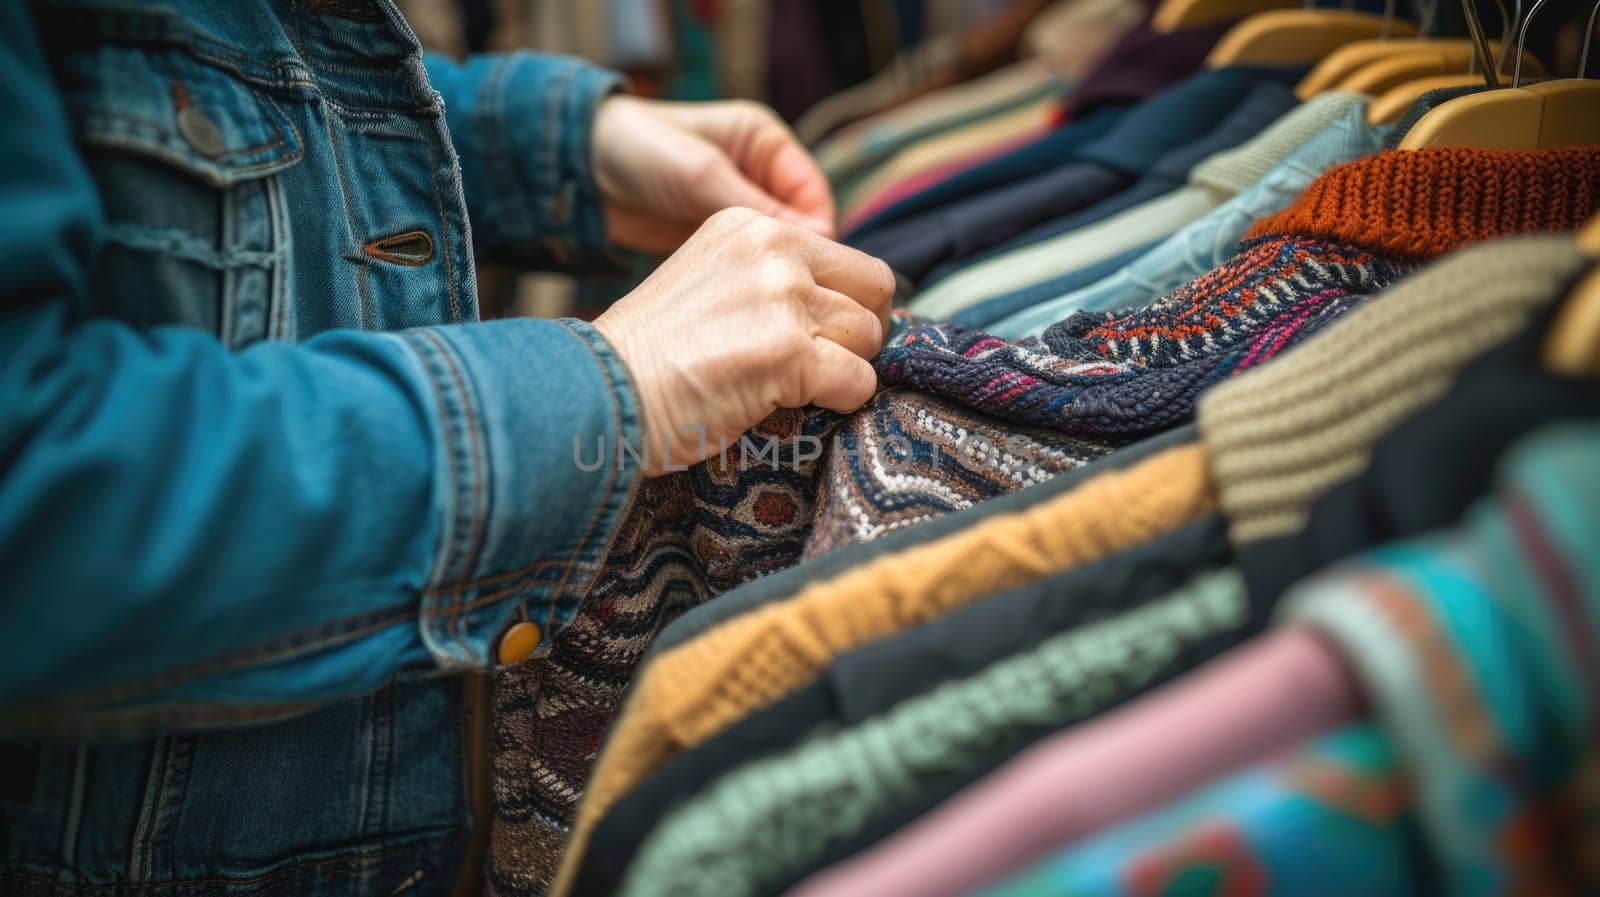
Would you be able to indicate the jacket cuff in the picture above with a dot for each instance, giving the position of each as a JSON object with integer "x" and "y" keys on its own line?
{"x": 533, "y": 415}
{"x": 526, "y": 160}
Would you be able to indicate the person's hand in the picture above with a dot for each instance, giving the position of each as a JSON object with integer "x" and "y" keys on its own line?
{"x": 663, "y": 168}
{"x": 751, "y": 315}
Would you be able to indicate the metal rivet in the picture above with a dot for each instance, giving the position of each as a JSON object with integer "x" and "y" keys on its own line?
{"x": 201, "y": 132}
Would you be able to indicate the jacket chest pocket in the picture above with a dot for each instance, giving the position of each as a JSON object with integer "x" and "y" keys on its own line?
{"x": 187, "y": 158}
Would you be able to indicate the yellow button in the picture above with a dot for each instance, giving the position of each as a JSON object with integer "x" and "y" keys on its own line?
{"x": 519, "y": 642}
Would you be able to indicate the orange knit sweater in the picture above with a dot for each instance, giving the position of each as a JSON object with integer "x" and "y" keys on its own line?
{"x": 1423, "y": 203}
{"x": 699, "y": 688}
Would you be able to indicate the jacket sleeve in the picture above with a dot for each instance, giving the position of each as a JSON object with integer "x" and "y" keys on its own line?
{"x": 521, "y": 125}
{"x": 192, "y": 536}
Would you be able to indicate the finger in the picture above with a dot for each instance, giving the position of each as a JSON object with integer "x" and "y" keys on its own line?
{"x": 766, "y": 152}
{"x": 839, "y": 380}
{"x": 717, "y": 184}
{"x": 780, "y": 165}
{"x": 842, "y": 320}
{"x": 867, "y": 280}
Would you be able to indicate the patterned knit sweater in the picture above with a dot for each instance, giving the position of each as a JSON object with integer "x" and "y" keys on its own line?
{"x": 902, "y": 459}
{"x": 1355, "y": 230}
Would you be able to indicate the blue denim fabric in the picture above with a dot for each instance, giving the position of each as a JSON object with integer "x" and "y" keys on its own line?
{"x": 237, "y": 522}
{"x": 1208, "y": 241}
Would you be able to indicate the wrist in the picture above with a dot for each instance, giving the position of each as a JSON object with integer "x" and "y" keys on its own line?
{"x": 631, "y": 347}
{"x": 606, "y": 137}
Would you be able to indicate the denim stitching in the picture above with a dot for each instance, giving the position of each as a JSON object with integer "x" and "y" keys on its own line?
{"x": 492, "y": 119}
{"x": 188, "y": 247}
{"x": 313, "y": 638}
{"x": 521, "y": 574}
{"x": 444, "y": 561}
{"x": 479, "y": 505}
{"x": 547, "y": 188}
{"x": 479, "y": 454}
{"x": 611, "y": 482}
{"x": 139, "y": 855}
{"x": 442, "y": 841}
{"x": 444, "y": 226}
{"x": 123, "y": 722}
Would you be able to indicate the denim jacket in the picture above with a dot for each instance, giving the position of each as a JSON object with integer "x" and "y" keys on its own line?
{"x": 264, "y": 486}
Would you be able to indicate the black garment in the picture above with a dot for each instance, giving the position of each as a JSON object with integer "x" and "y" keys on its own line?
{"x": 844, "y": 34}
{"x": 786, "y": 583}
{"x": 874, "y": 678}
{"x": 1425, "y": 473}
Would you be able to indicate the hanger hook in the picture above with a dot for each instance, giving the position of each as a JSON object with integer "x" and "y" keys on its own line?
{"x": 1491, "y": 79}
{"x": 1388, "y": 20}
{"x": 1588, "y": 39}
{"x": 1506, "y": 24}
{"x": 1429, "y": 11}
{"x": 1522, "y": 37}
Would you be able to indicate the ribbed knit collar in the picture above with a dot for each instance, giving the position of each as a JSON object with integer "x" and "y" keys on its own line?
{"x": 1422, "y": 203}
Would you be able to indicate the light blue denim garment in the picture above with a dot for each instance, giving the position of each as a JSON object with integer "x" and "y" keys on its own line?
{"x": 237, "y": 522}
{"x": 1210, "y": 240}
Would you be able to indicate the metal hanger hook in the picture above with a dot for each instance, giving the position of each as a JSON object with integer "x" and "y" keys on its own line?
{"x": 1507, "y": 22}
{"x": 1522, "y": 38}
{"x": 1429, "y": 12}
{"x": 1491, "y": 78}
{"x": 1588, "y": 41}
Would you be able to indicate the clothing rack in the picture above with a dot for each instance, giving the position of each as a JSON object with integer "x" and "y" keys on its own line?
{"x": 1225, "y": 523}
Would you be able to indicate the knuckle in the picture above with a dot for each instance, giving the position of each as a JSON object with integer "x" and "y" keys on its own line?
{"x": 780, "y": 277}
{"x": 767, "y": 232}
{"x": 731, "y": 218}
{"x": 754, "y": 110}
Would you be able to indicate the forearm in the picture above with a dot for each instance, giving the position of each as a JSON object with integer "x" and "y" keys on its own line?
{"x": 194, "y": 536}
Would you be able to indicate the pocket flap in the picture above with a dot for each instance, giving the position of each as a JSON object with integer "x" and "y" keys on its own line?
{"x": 167, "y": 105}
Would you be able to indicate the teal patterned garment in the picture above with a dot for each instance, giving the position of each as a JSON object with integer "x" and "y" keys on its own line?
{"x": 1479, "y": 650}
{"x": 1330, "y": 820}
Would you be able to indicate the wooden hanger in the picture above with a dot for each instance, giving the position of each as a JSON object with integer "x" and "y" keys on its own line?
{"x": 1176, "y": 15}
{"x": 1391, "y": 105}
{"x": 1376, "y": 78}
{"x": 1539, "y": 116}
{"x": 1352, "y": 57}
{"x": 1297, "y": 36}
{"x": 1572, "y": 345}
